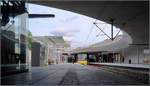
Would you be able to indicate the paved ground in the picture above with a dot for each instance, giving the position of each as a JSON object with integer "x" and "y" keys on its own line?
{"x": 68, "y": 74}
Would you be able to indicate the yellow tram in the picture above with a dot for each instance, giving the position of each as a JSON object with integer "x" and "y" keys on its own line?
{"x": 82, "y": 59}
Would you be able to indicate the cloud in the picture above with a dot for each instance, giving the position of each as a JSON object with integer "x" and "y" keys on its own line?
{"x": 68, "y": 38}
{"x": 67, "y": 33}
{"x": 69, "y": 19}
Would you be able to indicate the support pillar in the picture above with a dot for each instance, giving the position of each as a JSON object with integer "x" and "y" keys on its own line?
{"x": 87, "y": 57}
{"x": 102, "y": 57}
{"x": 108, "y": 58}
{"x": 149, "y": 38}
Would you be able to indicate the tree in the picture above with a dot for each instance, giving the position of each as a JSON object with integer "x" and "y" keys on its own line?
{"x": 30, "y": 39}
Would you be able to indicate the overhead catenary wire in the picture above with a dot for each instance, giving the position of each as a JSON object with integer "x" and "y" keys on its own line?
{"x": 117, "y": 34}
{"x": 101, "y": 30}
{"x": 97, "y": 35}
{"x": 90, "y": 42}
{"x": 91, "y": 29}
{"x": 112, "y": 37}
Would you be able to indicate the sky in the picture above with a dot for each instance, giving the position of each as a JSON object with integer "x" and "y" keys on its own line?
{"x": 76, "y": 28}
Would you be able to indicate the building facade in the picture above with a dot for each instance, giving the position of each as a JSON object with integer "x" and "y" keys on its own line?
{"x": 57, "y": 50}
{"x": 13, "y": 36}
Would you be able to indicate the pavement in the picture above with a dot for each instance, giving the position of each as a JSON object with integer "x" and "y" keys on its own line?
{"x": 145, "y": 66}
{"x": 68, "y": 74}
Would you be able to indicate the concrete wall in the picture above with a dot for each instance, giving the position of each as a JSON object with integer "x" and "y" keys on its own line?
{"x": 135, "y": 53}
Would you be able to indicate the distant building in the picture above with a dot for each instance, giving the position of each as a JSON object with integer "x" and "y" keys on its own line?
{"x": 66, "y": 52}
{"x": 56, "y": 48}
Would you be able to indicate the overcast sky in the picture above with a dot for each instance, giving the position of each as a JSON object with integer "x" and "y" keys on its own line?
{"x": 78, "y": 29}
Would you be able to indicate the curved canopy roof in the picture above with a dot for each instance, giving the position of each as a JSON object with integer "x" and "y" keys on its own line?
{"x": 130, "y": 16}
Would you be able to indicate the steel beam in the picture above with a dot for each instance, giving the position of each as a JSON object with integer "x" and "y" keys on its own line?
{"x": 112, "y": 29}
{"x": 41, "y": 15}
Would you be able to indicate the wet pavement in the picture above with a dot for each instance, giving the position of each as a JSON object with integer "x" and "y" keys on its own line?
{"x": 68, "y": 74}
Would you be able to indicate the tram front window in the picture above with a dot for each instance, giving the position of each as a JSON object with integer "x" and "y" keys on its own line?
{"x": 82, "y": 57}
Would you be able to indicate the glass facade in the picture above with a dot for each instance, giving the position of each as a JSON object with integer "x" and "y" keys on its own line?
{"x": 14, "y": 43}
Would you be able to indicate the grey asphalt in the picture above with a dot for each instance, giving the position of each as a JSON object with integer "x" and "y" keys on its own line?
{"x": 68, "y": 74}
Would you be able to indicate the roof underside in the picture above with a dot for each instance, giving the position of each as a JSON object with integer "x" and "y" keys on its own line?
{"x": 130, "y": 16}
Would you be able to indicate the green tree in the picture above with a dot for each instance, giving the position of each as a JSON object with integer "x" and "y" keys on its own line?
{"x": 30, "y": 39}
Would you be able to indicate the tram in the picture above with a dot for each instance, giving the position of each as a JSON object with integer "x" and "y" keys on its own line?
{"x": 82, "y": 59}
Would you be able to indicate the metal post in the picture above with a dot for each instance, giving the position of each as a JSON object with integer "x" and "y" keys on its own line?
{"x": 123, "y": 55}
{"x": 138, "y": 54}
{"x": 102, "y": 57}
{"x": 108, "y": 58}
{"x": 112, "y": 23}
{"x": 87, "y": 57}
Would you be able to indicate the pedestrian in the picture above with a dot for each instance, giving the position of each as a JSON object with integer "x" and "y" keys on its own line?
{"x": 129, "y": 61}
{"x": 123, "y": 59}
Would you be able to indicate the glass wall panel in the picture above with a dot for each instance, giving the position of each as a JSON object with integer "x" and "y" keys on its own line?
{"x": 14, "y": 40}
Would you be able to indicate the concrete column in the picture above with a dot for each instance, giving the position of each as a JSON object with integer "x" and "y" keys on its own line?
{"x": 149, "y": 37}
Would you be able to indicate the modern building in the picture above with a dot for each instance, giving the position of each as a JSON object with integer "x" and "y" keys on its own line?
{"x": 13, "y": 37}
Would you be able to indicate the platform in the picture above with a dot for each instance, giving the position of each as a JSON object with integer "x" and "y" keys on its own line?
{"x": 140, "y": 66}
